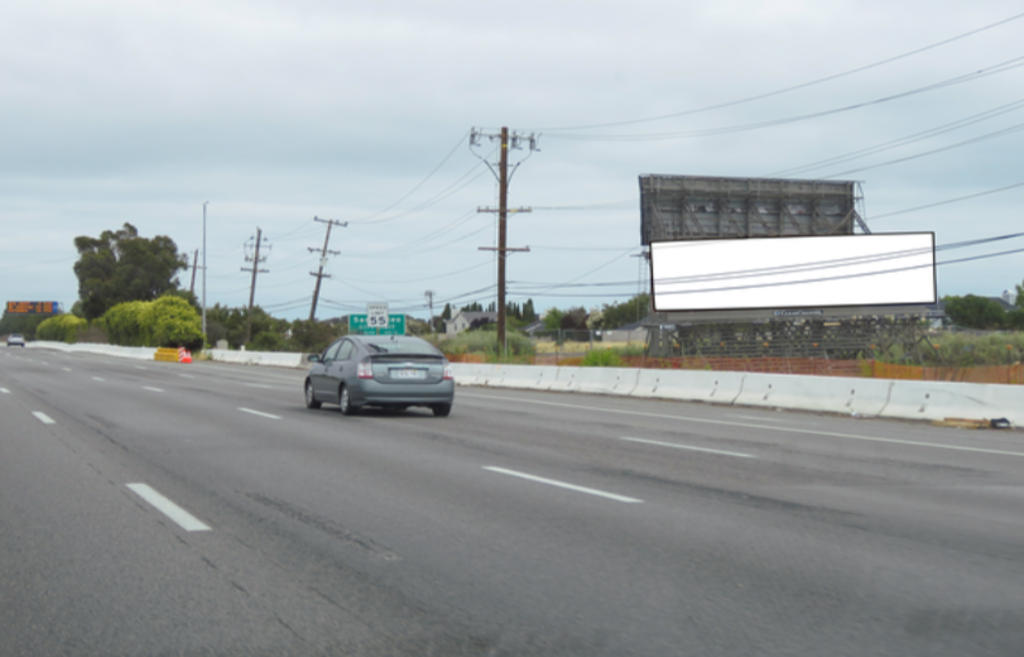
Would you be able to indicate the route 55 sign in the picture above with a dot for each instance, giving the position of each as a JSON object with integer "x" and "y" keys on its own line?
{"x": 377, "y": 315}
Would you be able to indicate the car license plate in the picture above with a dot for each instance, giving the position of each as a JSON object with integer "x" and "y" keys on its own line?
{"x": 408, "y": 374}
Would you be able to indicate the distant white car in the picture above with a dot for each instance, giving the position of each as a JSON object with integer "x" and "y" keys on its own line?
{"x": 15, "y": 340}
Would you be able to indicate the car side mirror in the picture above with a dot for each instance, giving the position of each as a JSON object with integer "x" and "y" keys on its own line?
{"x": 313, "y": 358}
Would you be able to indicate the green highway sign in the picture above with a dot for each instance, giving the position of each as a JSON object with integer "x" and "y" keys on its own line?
{"x": 359, "y": 324}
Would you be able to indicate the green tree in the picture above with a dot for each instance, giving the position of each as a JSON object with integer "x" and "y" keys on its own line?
{"x": 61, "y": 328}
{"x": 20, "y": 323}
{"x": 975, "y": 312}
{"x": 529, "y": 314}
{"x": 120, "y": 266}
{"x": 618, "y": 314}
{"x": 312, "y": 337}
{"x": 553, "y": 319}
{"x": 1019, "y": 302}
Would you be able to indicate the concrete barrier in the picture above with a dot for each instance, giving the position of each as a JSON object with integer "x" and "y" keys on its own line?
{"x": 846, "y": 395}
{"x": 606, "y": 380}
{"x": 134, "y": 353}
{"x": 938, "y": 400}
{"x": 265, "y": 358}
{"x": 921, "y": 400}
{"x": 689, "y": 385}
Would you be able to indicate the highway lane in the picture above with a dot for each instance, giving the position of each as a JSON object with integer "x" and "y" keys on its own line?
{"x": 523, "y": 524}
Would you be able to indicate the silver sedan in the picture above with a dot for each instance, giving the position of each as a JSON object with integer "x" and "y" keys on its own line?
{"x": 392, "y": 372}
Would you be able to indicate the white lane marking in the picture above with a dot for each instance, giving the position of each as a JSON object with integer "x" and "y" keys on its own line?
{"x": 562, "y": 484}
{"x": 261, "y": 414}
{"x": 259, "y": 385}
{"x": 139, "y": 367}
{"x": 727, "y": 423}
{"x": 689, "y": 447}
{"x": 96, "y": 378}
{"x": 186, "y": 376}
{"x": 66, "y": 369}
{"x": 5, "y": 391}
{"x": 760, "y": 419}
{"x": 151, "y": 389}
{"x": 183, "y": 518}
{"x": 44, "y": 418}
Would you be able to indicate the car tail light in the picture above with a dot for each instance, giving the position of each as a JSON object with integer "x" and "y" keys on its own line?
{"x": 449, "y": 375}
{"x": 365, "y": 370}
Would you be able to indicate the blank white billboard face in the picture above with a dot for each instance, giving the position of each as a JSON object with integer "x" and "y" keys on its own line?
{"x": 793, "y": 272}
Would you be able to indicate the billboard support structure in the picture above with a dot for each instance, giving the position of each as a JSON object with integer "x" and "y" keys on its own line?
{"x": 701, "y": 208}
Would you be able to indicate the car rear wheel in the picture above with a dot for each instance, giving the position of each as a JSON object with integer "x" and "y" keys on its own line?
{"x": 441, "y": 410}
{"x": 311, "y": 401}
{"x": 345, "y": 402}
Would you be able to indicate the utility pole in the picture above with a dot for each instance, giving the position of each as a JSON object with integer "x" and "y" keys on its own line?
{"x": 323, "y": 260}
{"x": 195, "y": 263}
{"x": 503, "y": 177}
{"x": 429, "y": 294}
{"x": 205, "y": 203}
{"x": 255, "y": 260}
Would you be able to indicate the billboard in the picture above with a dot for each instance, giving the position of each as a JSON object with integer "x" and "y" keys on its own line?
{"x": 787, "y": 274}
{"x": 34, "y": 307}
{"x": 674, "y": 207}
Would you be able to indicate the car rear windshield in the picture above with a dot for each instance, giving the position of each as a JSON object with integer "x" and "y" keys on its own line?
{"x": 403, "y": 347}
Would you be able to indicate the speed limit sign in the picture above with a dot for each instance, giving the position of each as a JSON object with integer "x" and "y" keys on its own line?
{"x": 377, "y": 315}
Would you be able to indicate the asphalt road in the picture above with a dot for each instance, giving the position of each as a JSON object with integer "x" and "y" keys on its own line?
{"x": 162, "y": 509}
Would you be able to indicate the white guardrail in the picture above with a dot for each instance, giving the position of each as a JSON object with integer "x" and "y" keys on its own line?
{"x": 910, "y": 400}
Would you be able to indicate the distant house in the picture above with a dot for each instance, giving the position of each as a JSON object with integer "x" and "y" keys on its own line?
{"x": 463, "y": 320}
{"x": 632, "y": 332}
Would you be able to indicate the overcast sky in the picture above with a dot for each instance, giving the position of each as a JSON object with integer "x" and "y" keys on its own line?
{"x": 275, "y": 112}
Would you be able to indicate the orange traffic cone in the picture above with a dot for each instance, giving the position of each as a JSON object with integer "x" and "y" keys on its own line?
{"x": 184, "y": 355}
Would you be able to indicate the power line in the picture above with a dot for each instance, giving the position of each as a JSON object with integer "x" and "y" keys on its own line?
{"x": 967, "y": 142}
{"x": 455, "y": 148}
{"x": 792, "y": 88}
{"x": 1002, "y": 67}
{"x": 947, "y": 201}
{"x": 903, "y": 141}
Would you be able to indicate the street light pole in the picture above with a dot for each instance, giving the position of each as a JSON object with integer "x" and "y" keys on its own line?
{"x": 204, "y": 271}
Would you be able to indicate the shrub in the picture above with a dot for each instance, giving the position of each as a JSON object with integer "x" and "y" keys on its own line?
{"x": 174, "y": 322}
{"x": 167, "y": 322}
{"x": 486, "y": 343}
{"x": 61, "y": 328}
{"x": 126, "y": 324}
{"x": 602, "y": 358}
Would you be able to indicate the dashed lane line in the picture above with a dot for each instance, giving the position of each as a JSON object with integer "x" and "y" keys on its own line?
{"x": 260, "y": 413}
{"x": 5, "y": 391}
{"x": 689, "y": 447}
{"x": 43, "y": 417}
{"x": 562, "y": 484}
{"x": 180, "y": 516}
{"x": 96, "y": 378}
{"x": 729, "y": 423}
{"x": 152, "y": 389}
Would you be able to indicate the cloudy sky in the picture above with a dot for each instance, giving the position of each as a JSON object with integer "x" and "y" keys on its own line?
{"x": 275, "y": 112}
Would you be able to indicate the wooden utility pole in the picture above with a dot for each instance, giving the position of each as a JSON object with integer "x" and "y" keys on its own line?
{"x": 256, "y": 260}
{"x": 502, "y": 234}
{"x": 323, "y": 260}
{"x": 503, "y": 210}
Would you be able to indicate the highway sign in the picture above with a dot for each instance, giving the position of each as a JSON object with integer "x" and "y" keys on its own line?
{"x": 377, "y": 315}
{"x": 34, "y": 307}
{"x": 359, "y": 324}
